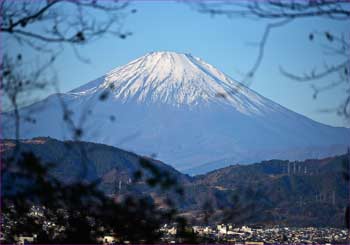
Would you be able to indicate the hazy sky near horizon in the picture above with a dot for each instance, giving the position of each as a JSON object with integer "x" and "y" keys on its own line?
{"x": 225, "y": 43}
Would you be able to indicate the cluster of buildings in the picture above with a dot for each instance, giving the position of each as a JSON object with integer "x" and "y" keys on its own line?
{"x": 220, "y": 233}
{"x": 224, "y": 233}
{"x": 241, "y": 235}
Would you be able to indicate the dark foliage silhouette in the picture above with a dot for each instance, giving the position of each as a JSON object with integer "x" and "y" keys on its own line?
{"x": 35, "y": 202}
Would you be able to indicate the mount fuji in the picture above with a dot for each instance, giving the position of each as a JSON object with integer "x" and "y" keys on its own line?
{"x": 183, "y": 111}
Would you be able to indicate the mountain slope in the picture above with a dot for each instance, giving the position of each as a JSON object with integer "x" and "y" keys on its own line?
{"x": 75, "y": 161}
{"x": 183, "y": 111}
{"x": 308, "y": 193}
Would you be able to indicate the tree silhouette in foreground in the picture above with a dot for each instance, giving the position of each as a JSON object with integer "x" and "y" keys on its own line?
{"x": 36, "y": 202}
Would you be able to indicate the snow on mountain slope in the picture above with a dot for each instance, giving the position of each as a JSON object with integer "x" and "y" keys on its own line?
{"x": 188, "y": 113}
{"x": 175, "y": 79}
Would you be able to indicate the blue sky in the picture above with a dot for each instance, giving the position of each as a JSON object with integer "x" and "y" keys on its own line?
{"x": 220, "y": 41}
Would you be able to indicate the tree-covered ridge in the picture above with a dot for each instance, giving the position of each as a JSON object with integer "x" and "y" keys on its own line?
{"x": 307, "y": 193}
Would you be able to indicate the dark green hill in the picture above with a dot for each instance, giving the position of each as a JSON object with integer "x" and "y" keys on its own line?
{"x": 307, "y": 193}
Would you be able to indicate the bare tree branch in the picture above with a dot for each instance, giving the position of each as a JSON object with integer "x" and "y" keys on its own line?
{"x": 316, "y": 75}
{"x": 284, "y": 12}
{"x": 262, "y": 45}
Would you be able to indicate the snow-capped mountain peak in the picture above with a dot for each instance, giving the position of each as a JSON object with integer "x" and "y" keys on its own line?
{"x": 173, "y": 78}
